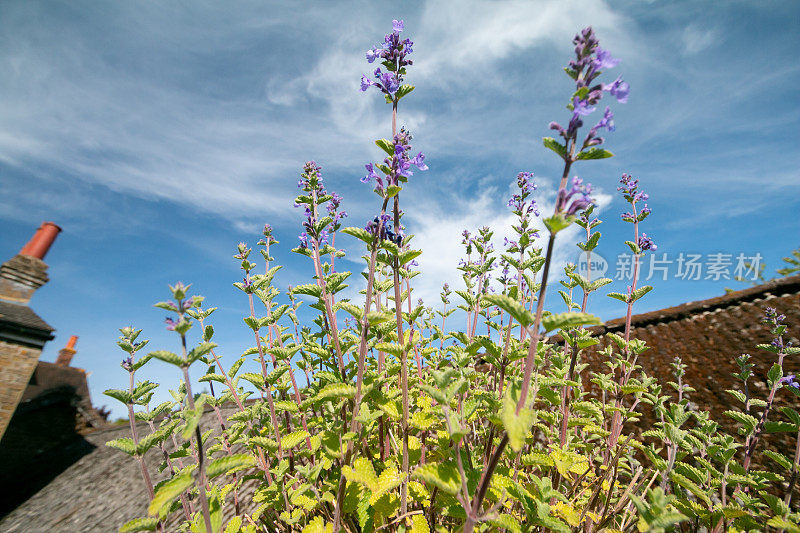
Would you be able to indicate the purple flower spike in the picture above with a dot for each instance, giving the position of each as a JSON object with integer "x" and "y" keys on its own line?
{"x": 395, "y": 51}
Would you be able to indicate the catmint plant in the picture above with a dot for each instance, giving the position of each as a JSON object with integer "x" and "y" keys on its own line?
{"x": 392, "y": 416}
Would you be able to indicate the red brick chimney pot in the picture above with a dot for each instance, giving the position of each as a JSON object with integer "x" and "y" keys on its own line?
{"x": 41, "y": 241}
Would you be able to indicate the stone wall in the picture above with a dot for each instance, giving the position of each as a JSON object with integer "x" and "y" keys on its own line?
{"x": 17, "y": 363}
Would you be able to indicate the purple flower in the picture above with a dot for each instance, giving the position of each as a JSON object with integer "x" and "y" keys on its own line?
{"x": 188, "y": 303}
{"x": 303, "y": 237}
{"x": 619, "y": 89}
{"x": 127, "y": 364}
{"x": 366, "y": 82}
{"x": 389, "y": 82}
{"x": 582, "y": 107}
{"x": 399, "y": 163}
{"x": 604, "y": 60}
{"x": 790, "y": 381}
{"x": 394, "y": 51}
{"x": 630, "y": 190}
{"x": 607, "y": 121}
{"x": 419, "y": 161}
{"x": 171, "y": 324}
{"x": 575, "y": 199}
{"x": 371, "y": 174}
{"x": 646, "y": 243}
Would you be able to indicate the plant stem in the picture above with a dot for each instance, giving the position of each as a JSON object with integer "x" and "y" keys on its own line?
{"x": 201, "y": 466}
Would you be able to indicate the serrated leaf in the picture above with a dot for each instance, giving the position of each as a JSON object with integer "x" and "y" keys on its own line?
{"x": 199, "y": 351}
{"x": 139, "y": 524}
{"x": 641, "y": 291}
{"x": 555, "y": 146}
{"x": 309, "y": 289}
{"x": 359, "y": 233}
{"x": 594, "y": 153}
{"x": 512, "y": 307}
{"x": 388, "y": 480}
{"x": 293, "y": 439}
{"x": 335, "y": 391}
{"x": 565, "y": 320}
{"x": 168, "y": 357}
{"x": 125, "y": 444}
{"x": 117, "y": 394}
{"x": 779, "y": 427}
{"x": 442, "y": 475}
{"x": 228, "y": 463}
{"x": 517, "y": 426}
{"x": 167, "y": 492}
{"x": 386, "y": 146}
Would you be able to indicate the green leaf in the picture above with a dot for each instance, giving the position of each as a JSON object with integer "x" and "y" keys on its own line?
{"x": 749, "y": 422}
{"x": 335, "y": 391}
{"x": 168, "y": 357}
{"x": 569, "y": 320}
{"x": 517, "y": 426}
{"x": 121, "y": 395}
{"x": 594, "y": 153}
{"x": 779, "y": 427}
{"x": 775, "y": 373}
{"x": 378, "y": 317}
{"x": 791, "y": 414}
{"x": 403, "y": 90}
{"x": 390, "y": 347}
{"x": 293, "y": 439}
{"x": 169, "y": 491}
{"x": 139, "y": 524}
{"x": 779, "y": 458}
{"x": 391, "y": 191}
{"x": 310, "y": 289}
{"x": 555, "y": 146}
{"x": 557, "y": 222}
{"x": 199, "y": 351}
{"x": 386, "y": 146}
{"x": 359, "y": 233}
{"x": 228, "y": 463}
{"x": 641, "y": 291}
{"x": 442, "y": 475}
{"x": 691, "y": 486}
{"x": 125, "y": 444}
{"x": 512, "y": 307}
{"x": 408, "y": 255}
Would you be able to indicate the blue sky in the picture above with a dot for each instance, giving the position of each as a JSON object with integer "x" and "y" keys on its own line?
{"x": 160, "y": 134}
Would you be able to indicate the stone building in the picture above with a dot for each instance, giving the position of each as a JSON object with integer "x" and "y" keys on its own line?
{"x": 22, "y": 333}
{"x": 45, "y": 408}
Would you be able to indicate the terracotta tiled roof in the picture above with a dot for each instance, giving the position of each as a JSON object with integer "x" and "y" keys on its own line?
{"x": 787, "y": 285}
{"x": 101, "y": 491}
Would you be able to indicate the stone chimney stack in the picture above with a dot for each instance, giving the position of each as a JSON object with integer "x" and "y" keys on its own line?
{"x": 21, "y": 275}
{"x": 67, "y": 352}
{"x": 23, "y": 333}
